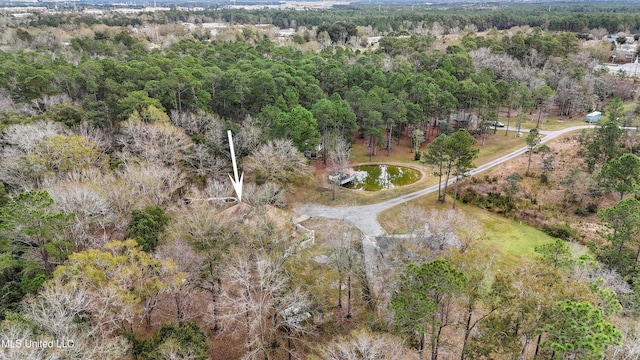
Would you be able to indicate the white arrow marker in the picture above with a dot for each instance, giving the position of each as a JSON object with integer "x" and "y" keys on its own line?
{"x": 237, "y": 183}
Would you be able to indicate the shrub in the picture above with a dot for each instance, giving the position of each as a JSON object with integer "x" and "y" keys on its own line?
{"x": 469, "y": 196}
{"x": 544, "y": 179}
{"x": 490, "y": 180}
{"x": 581, "y": 212}
{"x": 183, "y": 341}
{"x": 591, "y": 208}
{"x": 560, "y": 231}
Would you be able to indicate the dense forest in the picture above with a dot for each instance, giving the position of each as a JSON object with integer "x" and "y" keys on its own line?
{"x": 573, "y": 17}
{"x": 121, "y": 237}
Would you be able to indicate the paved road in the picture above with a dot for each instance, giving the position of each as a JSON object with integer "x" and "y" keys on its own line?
{"x": 365, "y": 217}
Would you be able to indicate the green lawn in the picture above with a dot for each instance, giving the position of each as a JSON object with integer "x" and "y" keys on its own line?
{"x": 514, "y": 241}
{"x": 508, "y": 239}
{"x": 557, "y": 124}
{"x": 497, "y": 145}
{"x": 550, "y": 123}
{"x": 629, "y": 106}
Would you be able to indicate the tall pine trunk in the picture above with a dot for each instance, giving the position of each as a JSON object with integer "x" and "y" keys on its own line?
{"x": 525, "y": 345}
{"x": 446, "y": 182}
{"x": 455, "y": 190}
{"x": 389, "y": 139}
{"x": 434, "y": 346}
{"x": 440, "y": 182}
{"x": 324, "y": 145}
{"x": 349, "y": 296}
{"x": 506, "y": 131}
{"x": 539, "y": 117}
{"x": 340, "y": 289}
{"x": 421, "y": 346}
{"x": 535, "y": 355}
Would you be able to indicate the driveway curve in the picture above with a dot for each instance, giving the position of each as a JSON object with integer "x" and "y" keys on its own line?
{"x": 365, "y": 217}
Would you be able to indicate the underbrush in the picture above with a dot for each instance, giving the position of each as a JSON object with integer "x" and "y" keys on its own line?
{"x": 561, "y": 231}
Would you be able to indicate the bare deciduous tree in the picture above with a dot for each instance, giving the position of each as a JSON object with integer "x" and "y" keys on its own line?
{"x": 599, "y": 33}
{"x": 47, "y": 102}
{"x": 20, "y": 141}
{"x": 534, "y": 59}
{"x": 266, "y": 194}
{"x": 347, "y": 259}
{"x": 586, "y": 268}
{"x": 364, "y": 345}
{"x": 59, "y": 312}
{"x": 196, "y": 123}
{"x": 442, "y": 227}
{"x": 143, "y": 184}
{"x": 92, "y": 209}
{"x": 102, "y": 138}
{"x": 25, "y": 138}
{"x": 159, "y": 142}
{"x": 413, "y": 217}
{"x": 202, "y": 162}
{"x": 248, "y": 138}
{"x": 278, "y": 161}
{"x": 261, "y": 301}
{"x": 504, "y": 66}
{"x": 184, "y": 293}
{"x": 18, "y": 332}
{"x": 572, "y": 96}
{"x": 340, "y": 154}
{"x": 199, "y": 226}
{"x": 7, "y": 104}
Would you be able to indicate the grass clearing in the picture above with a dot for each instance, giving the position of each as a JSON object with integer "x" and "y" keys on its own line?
{"x": 400, "y": 153}
{"x": 498, "y": 145}
{"x": 559, "y": 123}
{"x": 510, "y": 240}
{"x": 629, "y": 106}
{"x": 553, "y": 123}
{"x": 513, "y": 240}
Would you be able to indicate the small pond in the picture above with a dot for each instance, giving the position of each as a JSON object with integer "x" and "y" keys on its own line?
{"x": 379, "y": 177}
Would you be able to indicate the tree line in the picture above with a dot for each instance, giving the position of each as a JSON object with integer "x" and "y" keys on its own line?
{"x": 386, "y": 18}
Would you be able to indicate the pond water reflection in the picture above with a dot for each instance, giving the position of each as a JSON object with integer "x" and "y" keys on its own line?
{"x": 379, "y": 177}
